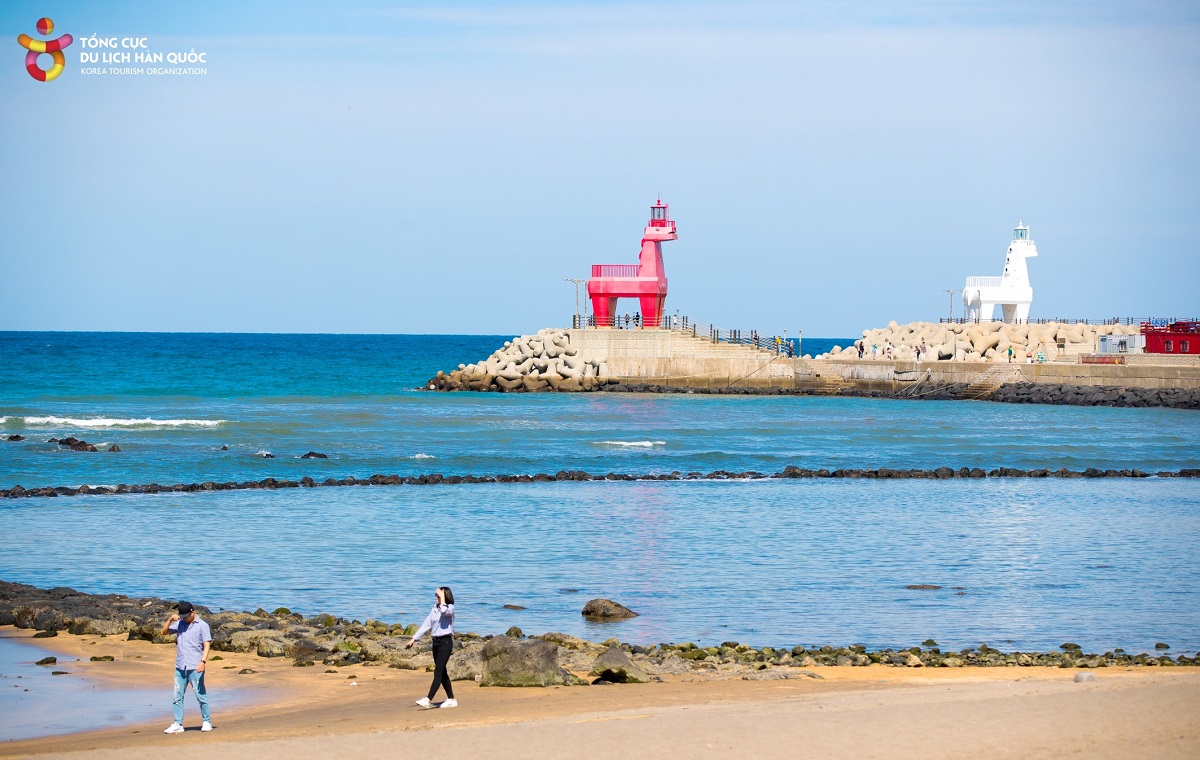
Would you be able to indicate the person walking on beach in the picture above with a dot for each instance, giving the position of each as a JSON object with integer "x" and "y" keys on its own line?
{"x": 440, "y": 622}
{"x": 193, "y": 639}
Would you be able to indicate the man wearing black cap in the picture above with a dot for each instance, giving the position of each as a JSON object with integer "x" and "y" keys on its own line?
{"x": 192, "y": 642}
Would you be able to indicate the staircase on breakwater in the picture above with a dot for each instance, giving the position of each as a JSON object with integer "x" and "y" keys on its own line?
{"x": 990, "y": 381}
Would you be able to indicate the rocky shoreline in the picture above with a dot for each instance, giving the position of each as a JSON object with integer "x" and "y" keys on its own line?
{"x": 578, "y": 476}
{"x": 511, "y": 659}
{"x": 1010, "y": 393}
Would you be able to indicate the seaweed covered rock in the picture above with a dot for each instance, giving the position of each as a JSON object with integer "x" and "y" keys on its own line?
{"x": 528, "y": 662}
{"x": 615, "y": 666}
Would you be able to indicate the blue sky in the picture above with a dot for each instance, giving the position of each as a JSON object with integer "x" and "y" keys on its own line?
{"x": 440, "y": 168}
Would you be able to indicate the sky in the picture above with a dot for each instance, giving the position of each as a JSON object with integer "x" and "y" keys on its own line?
{"x": 370, "y": 167}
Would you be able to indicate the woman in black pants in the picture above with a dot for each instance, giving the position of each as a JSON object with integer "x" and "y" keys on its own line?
{"x": 441, "y": 623}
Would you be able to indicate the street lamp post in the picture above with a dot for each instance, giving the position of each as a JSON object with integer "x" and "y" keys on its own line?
{"x": 578, "y": 322}
{"x": 951, "y": 292}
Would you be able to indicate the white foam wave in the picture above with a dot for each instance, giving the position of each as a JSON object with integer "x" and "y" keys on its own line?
{"x": 114, "y": 422}
{"x": 632, "y": 444}
{"x": 422, "y": 456}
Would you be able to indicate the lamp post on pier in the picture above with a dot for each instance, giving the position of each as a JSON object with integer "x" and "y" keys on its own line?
{"x": 578, "y": 322}
{"x": 951, "y": 292}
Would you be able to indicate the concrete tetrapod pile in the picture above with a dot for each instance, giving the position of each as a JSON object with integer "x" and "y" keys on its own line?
{"x": 982, "y": 341}
{"x": 542, "y": 362}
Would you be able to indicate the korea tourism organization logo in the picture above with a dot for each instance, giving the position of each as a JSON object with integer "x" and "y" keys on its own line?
{"x": 38, "y": 48}
{"x": 108, "y": 55}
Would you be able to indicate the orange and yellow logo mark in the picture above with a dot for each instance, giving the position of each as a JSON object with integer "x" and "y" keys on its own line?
{"x": 53, "y": 48}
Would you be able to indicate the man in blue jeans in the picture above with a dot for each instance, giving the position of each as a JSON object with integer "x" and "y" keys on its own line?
{"x": 193, "y": 639}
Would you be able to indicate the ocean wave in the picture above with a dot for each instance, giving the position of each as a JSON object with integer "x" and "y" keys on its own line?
{"x": 111, "y": 422}
{"x": 632, "y": 444}
{"x": 422, "y": 456}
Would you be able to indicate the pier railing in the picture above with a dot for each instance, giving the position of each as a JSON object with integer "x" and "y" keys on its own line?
{"x": 1064, "y": 321}
{"x": 683, "y": 324}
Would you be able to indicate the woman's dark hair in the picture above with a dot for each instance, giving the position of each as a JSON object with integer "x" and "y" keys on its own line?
{"x": 447, "y": 594}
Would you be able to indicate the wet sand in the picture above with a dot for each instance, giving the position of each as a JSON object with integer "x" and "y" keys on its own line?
{"x": 876, "y": 711}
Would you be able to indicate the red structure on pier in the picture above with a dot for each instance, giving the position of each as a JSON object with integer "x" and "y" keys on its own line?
{"x": 1167, "y": 336}
{"x": 645, "y": 280}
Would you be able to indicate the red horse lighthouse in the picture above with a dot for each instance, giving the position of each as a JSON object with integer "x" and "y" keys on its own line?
{"x": 645, "y": 280}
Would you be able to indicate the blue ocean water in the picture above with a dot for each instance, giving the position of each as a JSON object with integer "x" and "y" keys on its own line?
{"x": 1105, "y": 563}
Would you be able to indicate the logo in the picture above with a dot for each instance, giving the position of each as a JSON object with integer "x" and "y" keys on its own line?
{"x": 36, "y": 48}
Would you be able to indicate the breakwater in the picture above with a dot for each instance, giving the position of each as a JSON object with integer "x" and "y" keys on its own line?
{"x": 981, "y": 341}
{"x": 579, "y": 476}
{"x": 661, "y": 360}
{"x": 337, "y": 641}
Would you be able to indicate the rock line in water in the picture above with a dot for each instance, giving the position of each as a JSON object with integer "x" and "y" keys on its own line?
{"x": 788, "y": 473}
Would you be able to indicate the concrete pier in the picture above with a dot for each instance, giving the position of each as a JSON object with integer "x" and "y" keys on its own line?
{"x": 678, "y": 359}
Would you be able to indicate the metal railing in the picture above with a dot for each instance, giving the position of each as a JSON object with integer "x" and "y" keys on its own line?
{"x": 1060, "y": 320}
{"x": 984, "y": 282}
{"x": 684, "y": 324}
{"x": 614, "y": 270}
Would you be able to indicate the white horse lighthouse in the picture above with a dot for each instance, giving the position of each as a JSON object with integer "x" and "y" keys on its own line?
{"x": 1011, "y": 291}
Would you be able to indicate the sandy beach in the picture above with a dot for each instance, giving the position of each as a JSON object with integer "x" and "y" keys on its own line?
{"x": 876, "y": 711}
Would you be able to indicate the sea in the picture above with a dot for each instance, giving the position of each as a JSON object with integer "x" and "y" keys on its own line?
{"x": 1020, "y": 564}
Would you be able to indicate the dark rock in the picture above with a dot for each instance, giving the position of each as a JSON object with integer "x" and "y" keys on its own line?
{"x": 922, "y": 587}
{"x": 513, "y": 607}
{"x": 114, "y": 448}
{"x": 1161, "y": 645}
{"x": 515, "y": 633}
{"x": 314, "y": 455}
{"x": 224, "y": 448}
{"x": 47, "y": 661}
{"x": 606, "y": 609}
{"x": 16, "y": 438}
{"x": 102, "y": 658}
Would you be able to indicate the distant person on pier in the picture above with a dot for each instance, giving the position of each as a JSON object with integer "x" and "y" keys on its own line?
{"x": 440, "y": 622}
{"x": 923, "y": 351}
{"x": 861, "y": 349}
{"x": 874, "y": 350}
{"x": 626, "y": 320}
{"x": 637, "y": 319}
{"x": 887, "y": 350}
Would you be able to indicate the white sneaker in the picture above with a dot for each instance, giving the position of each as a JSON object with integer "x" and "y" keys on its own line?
{"x": 423, "y": 703}
{"x": 174, "y": 728}
{"x": 206, "y": 727}
{"x": 449, "y": 703}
